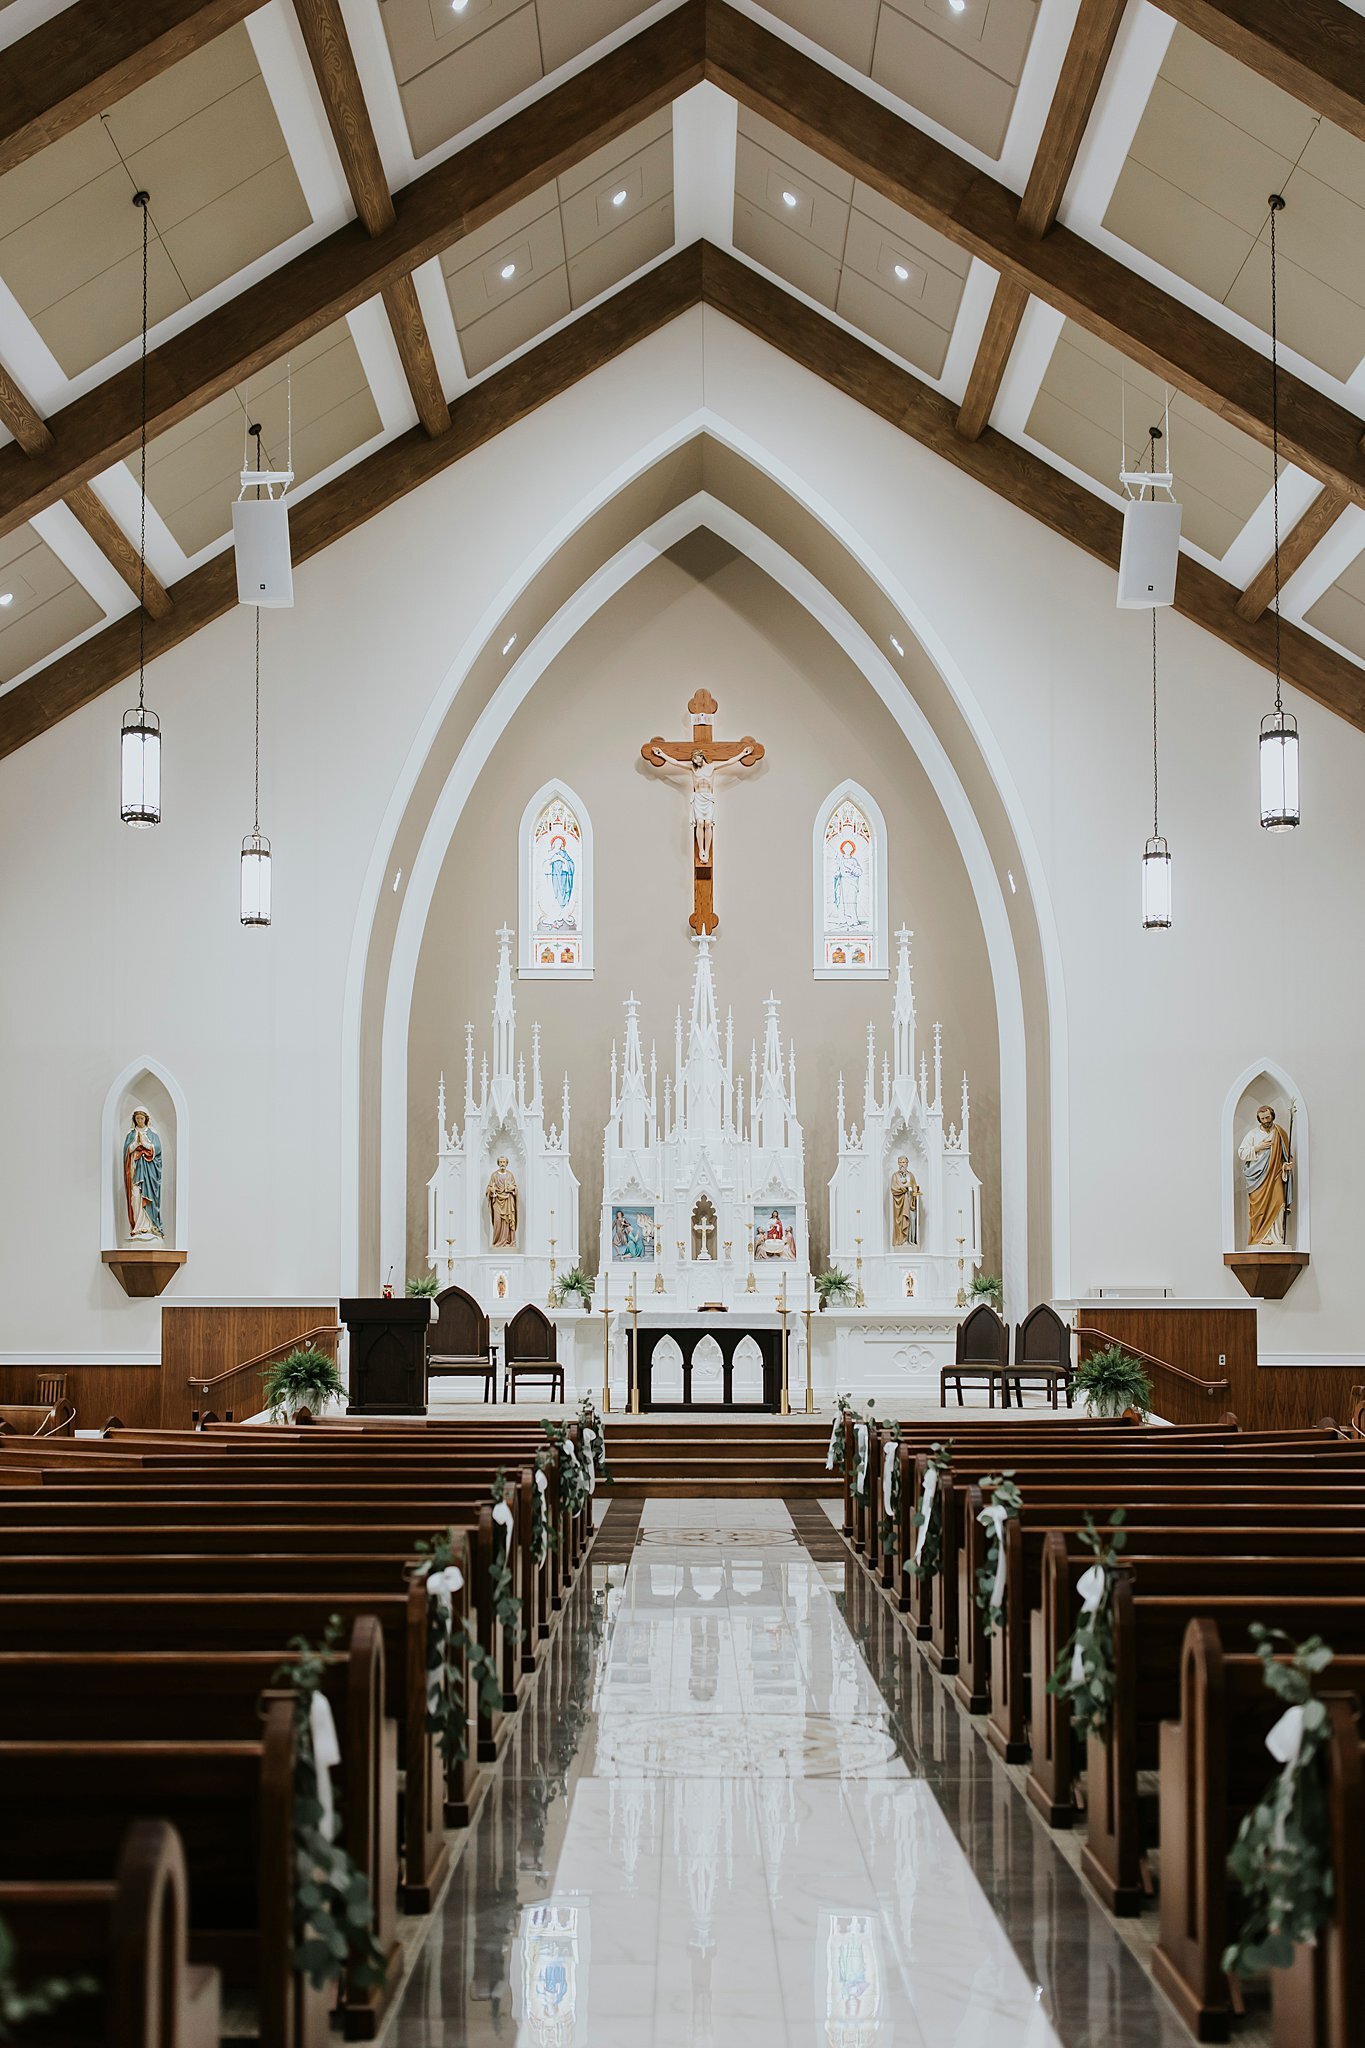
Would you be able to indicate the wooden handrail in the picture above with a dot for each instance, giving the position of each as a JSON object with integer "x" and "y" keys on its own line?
{"x": 1177, "y": 1371}
{"x": 276, "y": 1351}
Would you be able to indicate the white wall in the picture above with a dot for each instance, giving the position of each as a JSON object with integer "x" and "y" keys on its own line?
{"x": 118, "y": 945}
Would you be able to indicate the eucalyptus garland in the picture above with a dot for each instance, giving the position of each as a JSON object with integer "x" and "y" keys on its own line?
{"x": 928, "y": 1515}
{"x": 1003, "y": 1506}
{"x": 447, "y": 1708}
{"x": 559, "y": 1452}
{"x": 891, "y": 1490}
{"x": 834, "y": 1455}
{"x": 37, "y": 2001}
{"x": 590, "y": 1420}
{"x": 506, "y": 1606}
{"x": 333, "y": 1910}
{"x": 1085, "y": 1670}
{"x": 1281, "y": 1859}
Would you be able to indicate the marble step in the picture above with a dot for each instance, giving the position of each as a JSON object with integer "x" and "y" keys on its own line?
{"x": 756, "y": 1486}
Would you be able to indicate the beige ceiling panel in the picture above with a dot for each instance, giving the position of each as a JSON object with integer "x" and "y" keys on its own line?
{"x": 215, "y": 152}
{"x": 945, "y": 83}
{"x": 606, "y": 261}
{"x": 992, "y": 33}
{"x": 568, "y": 27}
{"x": 478, "y": 288}
{"x": 599, "y": 209}
{"x": 1168, "y": 224}
{"x": 1316, "y": 319}
{"x": 1340, "y": 611}
{"x": 846, "y": 30}
{"x": 470, "y": 83}
{"x": 507, "y": 227}
{"x": 593, "y": 169}
{"x": 47, "y": 606}
{"x": 88, "y": 321}
{"x": 928, "y": 241}
{"x": 207, "y": 75}
{"x": 1056, "y": 425}
{"x": 879, "y": 257}
{"x": 223, "y": 237}
{"x": 42, "y": 181}
{"x": 1242, "y": 96}
{"x": 894, "y": 322}
{"x": 423, "y": 32}
{"x": 806, "y": 163}
{"x": 194, "y": 470}
{"x": 515, "y": 323}
{"x": 786, "y": 254}
{"x": 1338, "y": 159}
{"x": 1212, "y": 159}
{"x": 797, "y": 204}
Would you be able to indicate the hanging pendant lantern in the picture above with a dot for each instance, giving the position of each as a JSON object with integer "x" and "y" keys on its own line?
{"x": 255, "y": 879}
{"x": 1156, "y": 856}
{"x": 1279, "y": 747}
{"x": 140, "y": 737}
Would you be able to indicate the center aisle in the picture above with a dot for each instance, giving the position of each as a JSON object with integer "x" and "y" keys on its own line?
{"x": 724, "y": 1822}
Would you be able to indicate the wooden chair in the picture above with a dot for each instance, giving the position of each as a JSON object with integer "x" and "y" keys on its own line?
{"x": 458, "y": 1347}
{"x": 530, "y": 1345}
{"x": 1042, "y": 1353}
{"x": 51, "y": 1389}
{"x": 982, "y": 1357}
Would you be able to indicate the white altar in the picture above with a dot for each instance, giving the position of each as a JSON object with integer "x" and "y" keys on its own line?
{"x": 500, "y": 1250}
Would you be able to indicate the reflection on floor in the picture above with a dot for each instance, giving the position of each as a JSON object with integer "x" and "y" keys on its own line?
{"x": 740, "y": 1813}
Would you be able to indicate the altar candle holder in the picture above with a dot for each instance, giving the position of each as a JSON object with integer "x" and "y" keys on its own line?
{"x": 859, "y": 1298}
{"x": 450, "y": 1262}
{"x": 961, "y": 1289}
{"x": 606, "y": 1340}
{"x": 751, "y": 1284}
{"x": 550, "y": 1301}
{"x": 634, "y": 1350}
{"x": 785, "y": 1406}
{"x": 658, "y": 1270}
{"x": 810, "y": 1391}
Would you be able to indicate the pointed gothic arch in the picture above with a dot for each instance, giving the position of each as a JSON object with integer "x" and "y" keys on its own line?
{"x": 555, "y": 886}
{"x": 848, "y": 887}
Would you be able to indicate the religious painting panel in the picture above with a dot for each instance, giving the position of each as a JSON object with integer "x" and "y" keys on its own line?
{"x": 632, "y": 1232}
{"x": 556, "y": 884}
{"x": 850, "y": 881}
{"x": 775, "y": 1230}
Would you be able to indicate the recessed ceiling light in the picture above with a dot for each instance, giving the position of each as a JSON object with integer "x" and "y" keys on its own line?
{"x": 958, "y": 6}
{"x": 790, "y": 199}
{"x": 508, "y": 270}
{"x": 901, "y": 272}
{"x": 620, "y": 198}
{"x": 897, "y": 645}
{"x": 508, "y": 645}
{"x": 458, "y": 6}
{"x": 6, "y": 597}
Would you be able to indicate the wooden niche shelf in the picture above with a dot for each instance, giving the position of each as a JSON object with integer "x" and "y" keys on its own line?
{"x": 1268, "y": 1275}
{"x": 144, "y": 1269}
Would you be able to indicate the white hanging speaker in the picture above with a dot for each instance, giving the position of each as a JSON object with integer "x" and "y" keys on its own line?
{"x": 1150, "y": 553}
{"x": 260, "y": 535}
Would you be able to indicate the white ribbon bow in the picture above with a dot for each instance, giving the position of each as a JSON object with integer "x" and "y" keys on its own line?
{"x": 542, "y": 1483}
{"x": 1284, "y": 1742}
{"x": 326, "y": 1756}
{"x": 994, "y": 1518}
{"x": 834, "y": 1435}
{"x": 1092, "y": 1586}
{"x": 860, "y": 1479}
{"x": 926, "y": 1502}
{"x": 589, "y": 1468}
{"x": 888, "y": 1477}
{"x": 503, "y": 1514}
{"x": 589, "y": 1437}
{"x": 440, "y": 1587}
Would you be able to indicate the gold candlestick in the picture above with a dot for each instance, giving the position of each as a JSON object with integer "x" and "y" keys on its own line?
{"x": 859, "y": 1298}
{"x": 961, "y": 1290}
{"x": 634, "y": 1351}
{"x": 785, "y": 1406}
{"x": 606, "y": 1341}
{"x": 751, "y": 1285}
{"x": 450, "y": 1261}
{"x": 550, "y": 1301}
{"x": 810, "y": 1393}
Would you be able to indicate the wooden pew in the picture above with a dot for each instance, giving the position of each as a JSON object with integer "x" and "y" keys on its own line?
{"x": 1320, "y": 2001}
{"x": 128, "y": 1932}
{"x": 67, "y": 1806}
{"x": 1214, "y": 1768}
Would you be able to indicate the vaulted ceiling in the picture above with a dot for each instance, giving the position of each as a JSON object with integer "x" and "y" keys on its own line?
{"x": 1018, "y": 229}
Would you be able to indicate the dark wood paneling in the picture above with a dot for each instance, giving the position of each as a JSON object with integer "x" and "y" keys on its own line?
{"x": 1261, "y": 1397}
{"x": 132, "y": 1392}
{"x": 200, "y": 1342}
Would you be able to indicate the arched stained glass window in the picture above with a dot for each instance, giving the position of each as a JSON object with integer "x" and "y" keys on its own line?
{"x": 556, "y": 885}
{"x": 850, "y": 885}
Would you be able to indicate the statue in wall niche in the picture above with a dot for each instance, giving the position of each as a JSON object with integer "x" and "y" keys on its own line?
{"x": 1268, "y": 1176}
{"x": 142, "y": 1177}
{"x": 904, "y": 1204}
{"x": 502, "y": 1206}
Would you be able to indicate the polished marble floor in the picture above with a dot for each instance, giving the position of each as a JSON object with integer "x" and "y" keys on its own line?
{"x": 740, "y": 1812}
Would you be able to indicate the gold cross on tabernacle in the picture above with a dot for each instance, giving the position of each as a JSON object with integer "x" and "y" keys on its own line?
{"x": 701, "y": 756}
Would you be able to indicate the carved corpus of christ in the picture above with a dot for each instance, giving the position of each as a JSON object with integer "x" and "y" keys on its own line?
{"x": 700, "y": 757}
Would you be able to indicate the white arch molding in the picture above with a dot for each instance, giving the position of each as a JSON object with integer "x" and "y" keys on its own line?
{"x": 527, "y": 966}
{"x": 890, "y": 685}
{"x": 110, "y": 1237}
{"x": 879, "y": 967}
{"x": 1268, "y": 1070}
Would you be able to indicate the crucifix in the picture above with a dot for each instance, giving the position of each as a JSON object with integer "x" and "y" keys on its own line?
{"x": 701, "y": 756}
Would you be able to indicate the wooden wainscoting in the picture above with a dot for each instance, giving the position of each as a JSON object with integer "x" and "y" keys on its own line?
{"x": 197, "y": 1343}
{"x": 1193, "y": 1339}
{"x": 132, "y": 1392}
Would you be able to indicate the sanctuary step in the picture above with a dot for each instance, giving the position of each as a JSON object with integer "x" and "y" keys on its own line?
{"x": 728, "y": 1458}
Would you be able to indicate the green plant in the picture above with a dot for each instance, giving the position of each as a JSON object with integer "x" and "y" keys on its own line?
{"x": 1085, "y": 1670}
{"x": 307, "y": 1378}
{"x": 1281, "y": 1859}
{"x": 333, "y": 1910}
{"x": 928, "y": 1516}
{"x": 425, "y": 1286}
{"x": 559, "y": 1454}
{"x": 1113, "y": 1381}
{"x": 891, "y": 1489}
{"x": 1003, "y": 1506}
{"x": 447, "y": 1708}
{"x": 18, "y": 2007}
{"x": 988, "y": 1287}
{"x": 591, "y": 1432}
{"x": 834, "y": 1455}
{"x": 506, "y": 1606}
{"x": 834, "y": 1285}
{"x": 575, "y": 1281}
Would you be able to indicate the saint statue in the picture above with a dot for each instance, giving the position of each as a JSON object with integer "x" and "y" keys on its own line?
{"x": 703, "y": 806}
{"x": 502, "y": 1206}
{"x": 142, "y": 1177}
{"x": 904, "y": 1204}
{"x": 1266, "y": 1170}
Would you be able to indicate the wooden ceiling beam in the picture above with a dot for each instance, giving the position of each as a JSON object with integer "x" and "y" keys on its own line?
{"x": 1295, "y": 548}
{"x": 71, "y": 68}
{"x": 1312, "y": 49}
{"x": 1001, "y": 331}
{"x": 698, "y": 274}
{"x": 114, "y": 544}
{"x": 319, "y": 286}
{"x": 338, "y": 79}
{"x": 979, "y": 214}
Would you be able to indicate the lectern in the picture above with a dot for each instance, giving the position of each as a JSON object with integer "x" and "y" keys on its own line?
{"x": 388, "y": 1355}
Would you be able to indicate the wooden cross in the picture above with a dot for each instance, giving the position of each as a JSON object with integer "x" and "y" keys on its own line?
{"x": 701, "y": 756}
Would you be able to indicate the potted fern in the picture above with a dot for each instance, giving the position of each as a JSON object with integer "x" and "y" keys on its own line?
{"x": 1113, "y": 1383}
{"x": 988, "y": 1287}
{"x": 575, "y": 1285}
{"x": 833, "y": 1285}
{"x": 307, "y": 1378}
{"x": 423, "y": 1285}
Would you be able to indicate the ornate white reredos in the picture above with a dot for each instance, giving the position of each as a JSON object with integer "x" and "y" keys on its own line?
{"x": 504, "y": 1116}
{"x": 901, "y": 1118}
{"x": 709, "y": 1187}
